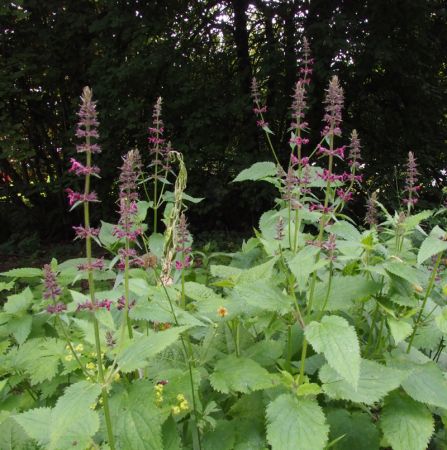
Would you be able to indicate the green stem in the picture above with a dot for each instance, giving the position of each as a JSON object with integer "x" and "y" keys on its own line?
{"x": 319, "y": 240}
{"x": 91, "y": 284}
{"x": 424, "y": 301}
{"x": 67, "y": 338}
{"x": 188, "y": 357}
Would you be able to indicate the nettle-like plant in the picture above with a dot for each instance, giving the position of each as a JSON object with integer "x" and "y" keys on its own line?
{"x": 317, "y": 334}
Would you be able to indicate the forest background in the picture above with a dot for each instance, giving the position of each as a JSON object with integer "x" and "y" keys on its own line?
{"x": 200, "y": 57}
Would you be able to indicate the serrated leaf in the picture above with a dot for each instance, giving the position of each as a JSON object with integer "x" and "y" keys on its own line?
{"x": 262, "y": 295}
{"x": 357, "y": 429}
{"x": 70, "y": 421}
{"x": 136, "y": 419}
{"x": 430, "y": 246}
{"x": 345, "y": 230}
{"x": 337, "y": 340}
{"x": 257, "y": 171}
{"x": 137, "y": 354}
{"x": 6, "y": 286}
{"x": 427, "y": 384}
{"x": 375, "y": 381}
{"x": 106, "y": 236}
{"x": 399, "y": 329}
{"x": 233, "y": 374}
{"x": 406, "y": 424}
{"x": 12, "y": 436}
{"x": 294, "y": 423}
{"x": 36, "y": 423}
{"x": 20, "y": 328}
{"x": 40, "y": 358}
{"x": 344, "y": 291}
{"x": 262, "y": 271}
{"x": 200, "y": 292}
{"x": 405, "y": 271}
{"x": 19, "y": 302}
{"x": 23, "y": 272}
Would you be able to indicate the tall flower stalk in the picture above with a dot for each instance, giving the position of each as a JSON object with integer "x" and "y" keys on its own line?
{"x": 159, "y": 151}
{"x": 411, "y": 186}
{"x": 87, "y": 130}
{"x": 127, "y": 227}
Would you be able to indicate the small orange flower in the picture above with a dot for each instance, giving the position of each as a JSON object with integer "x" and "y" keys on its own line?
{"x": 222, "y": 311}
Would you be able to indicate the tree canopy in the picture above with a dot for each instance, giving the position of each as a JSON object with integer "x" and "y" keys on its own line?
{"x": 200, "y": 57}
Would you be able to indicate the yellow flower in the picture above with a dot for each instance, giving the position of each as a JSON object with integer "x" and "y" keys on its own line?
{"x": 180, "y": 397}
{"x": 93, "y": 354}
{"x": 117, "y": 377}
{"x": 93, "y": 406}
{"x": 67, "y": 347}
{"x": 175, "y": 410}
{"x": 91, "y": 366}
{"x": 69, "y": 357}
{"x": 159, "y": 388}
{"x": 222, "y": 311}
{"x": 184, "y": 406}
{"x": 79, "y": 348}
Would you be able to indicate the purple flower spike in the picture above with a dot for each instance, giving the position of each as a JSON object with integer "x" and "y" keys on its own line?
{"x": 411, "y": 186}
{"x": 354, "y": 150}
{"x": 52, "y": 289}
{"x": 334, "y": 105}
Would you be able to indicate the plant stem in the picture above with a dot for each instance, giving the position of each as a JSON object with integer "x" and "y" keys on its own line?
{"x": 424, "y": 301}
{"x": 91, "y": 285}
{"x": 188, "y": 357}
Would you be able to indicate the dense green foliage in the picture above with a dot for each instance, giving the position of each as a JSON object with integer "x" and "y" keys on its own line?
{"x": 316, "y": 334}
{"x": 199, "y": 56}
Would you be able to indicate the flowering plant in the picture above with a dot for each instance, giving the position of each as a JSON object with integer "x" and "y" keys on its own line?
{"x": 316, "y": 334}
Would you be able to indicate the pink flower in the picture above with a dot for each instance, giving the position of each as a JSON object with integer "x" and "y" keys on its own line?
{"x": 345, "y": 196}
{"x": 80, "y": 169}
{"x": 83, "y": 233}
{"x": 74, "y": 197}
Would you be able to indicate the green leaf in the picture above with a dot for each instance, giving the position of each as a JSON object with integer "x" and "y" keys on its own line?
{"x": 405, "y": 271}
{"x": 136, "y": 355}
{"x": 375, "y": 381}
{"x": 406, "y": 424}
{"x": 6, "y": 286}
{"x": 70, "y": 421}
{"x": 23, "y": 272}
{"x": 222, "y": 437}
{"x": 303, "y": 264}
{"x": 40, "y": 358}
{"x": 357, "y": 429}
{"x": 399, "y": 329}
{"x": 136, "y": 419}
{"x": 106, "y": 236}
{"x": 200, "y": 292}
{"x": 220, "y": 271}
{"x": 36, "y": 423}
{"x": 346, "y": 231}
{"x": 156, "y": 244}
{"x": 20, "y": 328}
{"x": 239, "y": 375}
{"x": 171, "y": 438}
{"x": 262, "y": 295}
{"x": 430, "y": 246}
{"x": 262, "y": 271}
{"x": 257, "y": 171}
{"x": 142, "y": 207}
{"x": 19, "y": 302}
{"x": 441, "y": 320}
{"x": 344, "y": 292}
{"x": 12, "y": 436}
{"x": 427, "y": 384}
{"x": 337, "y": 340}
{"x": 294, "y": 423}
